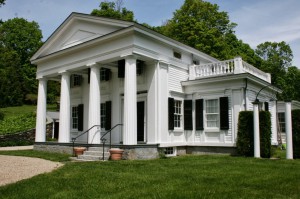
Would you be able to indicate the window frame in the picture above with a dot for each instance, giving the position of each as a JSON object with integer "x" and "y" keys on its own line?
{"x": 206, "y": 127}
{"x": 103, "y": 115}
{"x": 178, "y": 115}
{"x": 77, "y": 80}
{"x": 281, "y": 115}
{"x": 74, "y": 116}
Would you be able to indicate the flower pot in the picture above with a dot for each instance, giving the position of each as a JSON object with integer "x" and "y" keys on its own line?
{"x": 116, "y": 154}
{"x": 79, "y": 151}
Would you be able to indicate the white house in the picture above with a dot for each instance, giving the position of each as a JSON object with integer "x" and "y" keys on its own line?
{"x": 165, "y": 94}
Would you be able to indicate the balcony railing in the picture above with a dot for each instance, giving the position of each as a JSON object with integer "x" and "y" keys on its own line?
{"x": 233, "y": 66}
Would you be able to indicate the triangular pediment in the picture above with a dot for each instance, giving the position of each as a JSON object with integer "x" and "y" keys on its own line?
{"x": 77, "y": 29}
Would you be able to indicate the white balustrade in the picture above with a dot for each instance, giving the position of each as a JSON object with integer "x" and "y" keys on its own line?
{"x": 233, "y": 66}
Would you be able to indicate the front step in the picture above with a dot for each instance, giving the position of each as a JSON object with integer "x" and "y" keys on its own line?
{"x": 93, "y": 154}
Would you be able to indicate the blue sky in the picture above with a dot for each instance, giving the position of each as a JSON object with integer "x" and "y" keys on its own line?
{"x": 258, "y": 20}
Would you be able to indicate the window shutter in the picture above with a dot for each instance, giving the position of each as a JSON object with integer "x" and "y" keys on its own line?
{"x": 171, "y": 113}
{"x": 107, "y": 74}
{"x": 108, "y": 115}
{"x": 199, "y": 114}
{"x": 266, "y": 106}
{"x": 72, "y": 81}
{"x": 139, "y": 67}
{"x": 188, "y": 116}
{"x": 89, "y": 75}
{"x": 121, "y": 68}
{"x": 224, "y": 113}
{"x": 80, "y": 117}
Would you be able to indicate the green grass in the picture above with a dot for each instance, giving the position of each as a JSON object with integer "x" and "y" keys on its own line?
{"x": 180, "y": 177}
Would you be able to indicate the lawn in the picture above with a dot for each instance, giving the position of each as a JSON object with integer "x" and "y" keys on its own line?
{"x": 180, "y": 177}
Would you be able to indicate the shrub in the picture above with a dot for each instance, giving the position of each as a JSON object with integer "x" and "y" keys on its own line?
{"x": 245, "y": 140}
{"x": 1, "y": 116}
{"x": 296, "y": 133}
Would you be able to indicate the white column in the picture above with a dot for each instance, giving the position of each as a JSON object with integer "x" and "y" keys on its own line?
{"x": 130, "y": 109}
{"x": 94, "y": 105}
{"x": 288, "y": 131}
{"x": 256, "y": 130}
{"x": 40, "y": 133}
{"x": 65, "y": 112}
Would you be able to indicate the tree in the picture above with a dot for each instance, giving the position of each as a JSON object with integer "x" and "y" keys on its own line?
{"x": 201, "y": 25}
{"x": 277, "y": 57}
{"x": 290, "y": 84}
{"x": 113, "y": 10}
{"x": 2, "y": 2}
{"x": 19, "y": 40}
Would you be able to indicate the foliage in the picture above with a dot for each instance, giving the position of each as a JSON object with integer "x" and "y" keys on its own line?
{"x": 296, "y": 133}
{"x": 2, "y": 2}
{"x": 181, "y": 177}
{"x": 16, "y": 143}
{"x": 1, "y": 116}
{"x": 290, "y": 84}
{"x": 19, "y": 39}
{"x": 245, "y": 139}
{"x": 276, "y": 58}
{"x": 17, "y": 123}
{"x": 57, "y": 157}
{"x": 112, "y": 10}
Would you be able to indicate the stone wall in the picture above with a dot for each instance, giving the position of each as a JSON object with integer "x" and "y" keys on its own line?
{"x": 54, "y": 148}
{"x": 22, "y": 138}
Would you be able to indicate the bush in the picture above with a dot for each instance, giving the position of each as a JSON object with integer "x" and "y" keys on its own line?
{"x": 1, "y": 116}
{"x": 296, "y": 133}
{"x": 245, "y": 140}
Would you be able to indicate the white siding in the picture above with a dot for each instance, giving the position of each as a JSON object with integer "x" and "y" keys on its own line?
{"x": 176, "y": 76}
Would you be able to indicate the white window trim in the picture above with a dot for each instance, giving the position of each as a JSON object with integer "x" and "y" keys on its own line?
{"x": 177, "y": 129}
{"x": 211, "y": 129}
{"x": 72, "y": 126}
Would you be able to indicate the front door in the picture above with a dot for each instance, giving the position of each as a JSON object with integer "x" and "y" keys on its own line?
{"x": 140, "y": 121}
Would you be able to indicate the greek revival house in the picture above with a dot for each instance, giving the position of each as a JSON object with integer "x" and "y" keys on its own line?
{"x": 164, "y": 94}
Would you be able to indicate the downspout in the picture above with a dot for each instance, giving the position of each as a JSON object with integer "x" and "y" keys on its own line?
{"x": 245, "y": 93}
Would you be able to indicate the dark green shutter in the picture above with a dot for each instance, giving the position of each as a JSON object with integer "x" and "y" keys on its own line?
{"x": 107, "y": 74}
{"x": 199, "y": 114}
{"x": 108, "y": 115}
{"x": 80, "y": 117}
{"x": 171, "y": 113}
{"x": 224, "y": 113}
{"x": 266, "y": 106}
{"x": 89, "y": 75}
{"x": 121, "y": 68}
{"x": 188, "y": 114}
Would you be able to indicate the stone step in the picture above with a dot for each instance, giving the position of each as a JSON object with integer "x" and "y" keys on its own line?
{"x": 91, "y": 157}
{"x": 96, "y": 153}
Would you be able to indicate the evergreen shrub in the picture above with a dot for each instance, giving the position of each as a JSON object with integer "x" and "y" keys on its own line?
{"x": 245, "y": 139}
{"x": 296, "y": 133}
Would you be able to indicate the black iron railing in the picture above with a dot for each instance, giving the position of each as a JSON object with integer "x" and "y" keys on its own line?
{"x": 74, "y": 139}
{"x": 103, "y": 140}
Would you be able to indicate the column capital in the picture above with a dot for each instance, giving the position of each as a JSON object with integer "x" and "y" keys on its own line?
{"x": 42, "y": 79}
{"x": 64, "y": 72}
{"x": 93, "y": 65}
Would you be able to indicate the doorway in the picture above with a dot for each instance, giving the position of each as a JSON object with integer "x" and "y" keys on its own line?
{"x": 141, "y": 121}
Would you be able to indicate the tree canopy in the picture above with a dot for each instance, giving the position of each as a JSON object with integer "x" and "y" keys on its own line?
{"x": 19, "y": 40}
{"x": 113, "y": 10}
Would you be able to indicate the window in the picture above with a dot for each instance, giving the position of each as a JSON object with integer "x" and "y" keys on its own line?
{"x": 74, "y": 117}
{"x": 177, "y": 55}
{"x": 177, "y": 113}
{"x": 212, "y": 113}
{"x": 77, "y": 80}
{"x": 104, "y": 74}
{"x": 169, "y": 151}
{"x": 103, "y": 115}
{"x": 281, "y": 120}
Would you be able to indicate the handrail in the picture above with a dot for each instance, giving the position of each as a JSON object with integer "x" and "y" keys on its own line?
{"x": 103, "y": 139}
{"x": 74, "y": 139}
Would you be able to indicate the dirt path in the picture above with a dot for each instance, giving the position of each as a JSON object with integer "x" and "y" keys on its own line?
{"x": 15, "y": 168}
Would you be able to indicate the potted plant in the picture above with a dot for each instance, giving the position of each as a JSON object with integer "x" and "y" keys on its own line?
{"x": 79, "y": 151}
{"x": 116, "y": 153}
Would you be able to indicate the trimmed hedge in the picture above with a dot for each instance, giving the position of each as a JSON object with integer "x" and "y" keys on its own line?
{"x": 245, "y": 139}
{"x": 296, "y": 133}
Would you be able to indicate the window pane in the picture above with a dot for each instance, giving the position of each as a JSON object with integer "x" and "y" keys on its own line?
{"x": 212, "y": 113}
{"x": 177, "y": 113}
{"x": 212, "y": 106}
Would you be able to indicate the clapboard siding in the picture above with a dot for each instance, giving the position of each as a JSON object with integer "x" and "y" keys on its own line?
{"x": 228, "y": 133}
{"x": 176, "y": 76}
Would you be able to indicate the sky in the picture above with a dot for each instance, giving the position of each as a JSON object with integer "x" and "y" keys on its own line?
{"x": 258, "y": 20}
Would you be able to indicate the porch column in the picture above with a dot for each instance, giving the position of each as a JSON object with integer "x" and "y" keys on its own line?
{"x": 64, "y": 112}
{"x": 94, "y": 105}
{"x": 40, "y": 133}
{"x": 256, "y": 129}
{"x": 288, "y": 131}
{"x": 130, "y": 107}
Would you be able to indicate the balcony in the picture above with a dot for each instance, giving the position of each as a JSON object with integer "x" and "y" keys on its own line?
{"x": 228, "y": 67}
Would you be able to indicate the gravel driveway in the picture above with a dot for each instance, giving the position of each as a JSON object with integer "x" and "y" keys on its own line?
{"x": 15, "y": 168}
